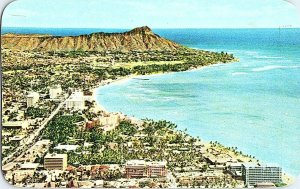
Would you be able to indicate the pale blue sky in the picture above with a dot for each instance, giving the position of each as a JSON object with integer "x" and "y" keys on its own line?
{"x": 154, "y": 13}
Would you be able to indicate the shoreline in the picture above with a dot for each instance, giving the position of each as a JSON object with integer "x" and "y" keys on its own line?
{"x": 287, "y": 178}
{"x": 132, "y": 76}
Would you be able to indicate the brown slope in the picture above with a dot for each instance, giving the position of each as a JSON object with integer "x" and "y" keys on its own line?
{"x": 140, "y": 39}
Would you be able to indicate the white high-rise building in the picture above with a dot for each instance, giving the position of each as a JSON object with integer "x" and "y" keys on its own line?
{"x": 75, "y": 101}
{"x": 254, "y": 174}
{"x": 32, "y": 98}
{"x": 55, "y": 91}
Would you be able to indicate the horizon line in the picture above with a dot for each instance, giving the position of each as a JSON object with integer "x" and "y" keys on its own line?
{"x": 154, "y": 28}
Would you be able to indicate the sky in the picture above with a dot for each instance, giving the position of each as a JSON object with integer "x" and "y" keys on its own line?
{"x": 153, "y": 13}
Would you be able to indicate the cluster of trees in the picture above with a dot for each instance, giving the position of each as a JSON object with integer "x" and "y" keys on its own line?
{"x": 127, "y": 128}
{"x": 70, "y": 54}
{"x": 61, "y": 128}
{"x": 153, "y": 146}
{"x": 35, "y": 112}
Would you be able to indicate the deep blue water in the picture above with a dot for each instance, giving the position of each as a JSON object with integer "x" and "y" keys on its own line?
{"x": 253, "y": 104}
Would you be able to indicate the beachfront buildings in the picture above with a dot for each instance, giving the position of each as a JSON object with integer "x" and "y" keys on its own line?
{"x": 143, "y": 169}
{"x": 55, "y": 161}
{"x": 55, "y": 91}
{"x": 32, "y": 98}
{"x": 75, "y": 101}
{"x": 254, "y": 174}
{"x": 109, "y": 122}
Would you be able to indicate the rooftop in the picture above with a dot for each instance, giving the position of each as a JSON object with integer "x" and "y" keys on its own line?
{"x": 136, "y": 163}
{"x": 253, "y": 165}
{"x": 29, "y": 165}
{"x": 49, "y": 156}
{"x": 66, "y": 147}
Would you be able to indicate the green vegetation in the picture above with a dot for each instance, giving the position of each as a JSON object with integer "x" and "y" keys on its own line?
{"x": 36, "y": 112}
{"x": 70, "y": 54}
{"x": 127, "y": 128}
{"x": 61, "y": 128}
{"x": 280, "y": 184}
{"x": 127, "y": 141}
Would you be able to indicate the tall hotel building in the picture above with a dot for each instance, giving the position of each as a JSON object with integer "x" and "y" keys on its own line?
{"x": 254, "y": 174}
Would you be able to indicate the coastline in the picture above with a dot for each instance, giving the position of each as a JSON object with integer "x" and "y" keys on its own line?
{"x": 287, "y": 178}
{"x": 124, "y": 91}
{"x": 132, "y": 76}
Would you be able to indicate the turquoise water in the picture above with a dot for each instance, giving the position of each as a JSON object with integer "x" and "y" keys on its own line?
{"x": 253, "y": 104}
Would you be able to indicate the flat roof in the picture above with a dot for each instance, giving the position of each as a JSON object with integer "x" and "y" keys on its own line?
{"x": 53, "y": 156}
{"x": 33, "y": 94}
{"x": 29, "y": 165}
{"x": 66, "y": 147}
{"x": 136, "y": 162}
{"x": 157, "y": 163}
{"x": 14, "y": 123}
{"x": 235, "y": 164}
{"x": 249, "y": 165}
{"x": 9, "y": 166}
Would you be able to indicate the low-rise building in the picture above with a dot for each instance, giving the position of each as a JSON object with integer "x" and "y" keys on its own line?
{"x": 157, "y": 169}
{"x": 236, "y": 170}
{"x": 75, "y": 101}
{"x": 32, "y": 98}
{"x": 67, "y": 147}
{"x": 17, "y": 138}
{"x": 15, "y": 125}
{"x": 265, "y": 185}
{"x": 29, "y": 166}
{"x": 143, "y": 169}
{"x": 136, "y": 169}
{"x": 55, "y": 161}
{"x": 55, "y": 91}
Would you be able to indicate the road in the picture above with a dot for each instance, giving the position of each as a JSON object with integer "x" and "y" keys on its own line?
{"x": 172, "y": 180}
{"x": 31, "y": 139}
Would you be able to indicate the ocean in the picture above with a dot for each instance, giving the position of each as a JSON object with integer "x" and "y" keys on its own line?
{"x": 253, "y": 104}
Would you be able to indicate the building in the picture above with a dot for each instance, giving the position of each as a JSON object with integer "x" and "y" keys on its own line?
{"x": 55, "y": 161}
{"x": 157, "y": 169}
{"x": 15, "y": 125}
{"x": 75, "y": 101}
{"x": 89, "y": 125}
{"x": 67, "y": 147}
{"x": 29, "y": 166}
{"x": 254, "y": 174}
{"x": 142, "y": 169}
{"x": 265, "y": 185}
{"x": 112, "y": 120}
{"x": 17, "y": 139}
{"x": 109, "y": 122}
{"x": 236, "y": 170}
{"x": 55, "y": 91}
{"x": 32, "y": 98}
{"x": 136, "y": 169}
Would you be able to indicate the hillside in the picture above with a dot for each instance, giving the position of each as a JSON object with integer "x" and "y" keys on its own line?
{"x": 140, "y": 39}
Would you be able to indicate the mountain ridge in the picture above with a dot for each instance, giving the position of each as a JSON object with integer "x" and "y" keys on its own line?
{"x": 139, "y": 39}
